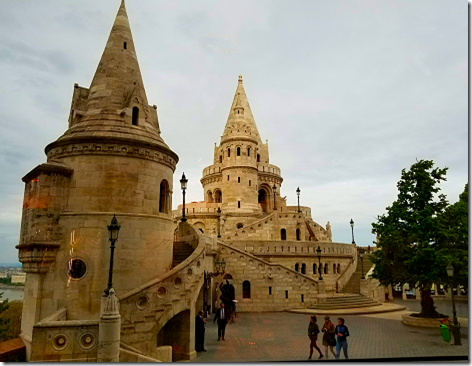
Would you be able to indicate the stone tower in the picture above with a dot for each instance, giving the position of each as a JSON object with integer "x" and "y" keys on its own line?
{"x": 111, "y": 160}
{"x": 241, "y": 178}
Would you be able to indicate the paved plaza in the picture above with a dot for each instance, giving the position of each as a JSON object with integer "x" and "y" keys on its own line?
{"x": 283, "y": 337}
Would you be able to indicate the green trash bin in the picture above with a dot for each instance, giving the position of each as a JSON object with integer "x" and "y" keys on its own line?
{"x": 445, "y": 332}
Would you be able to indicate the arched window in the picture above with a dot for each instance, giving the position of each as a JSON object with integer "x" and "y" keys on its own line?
{"x": 314, "y": 268}
{"x": 229, "y": 152}
{"x": 246, "y": 290}
{"x": 339, "y": 268}
{"x": 135, "y": 117}
{"x": 303, "y": 268}
{"x": 326, "y": 268}
{"x": 221, "y": 158}
{"x": 334, "y": 268}
{"x": 218, "y": 196}
{"x": 209, "y": 197}
{"x": 240, "y": 225}
{"x": 296, "y": 267}
{"x": 298, "y": 234}
{"x": 248, "y": 151}
{"x": 163, "y": 196}
{"x": 283, "y": 234}
{"x": 238, "y": 151}
{"x": 258, "y": 158}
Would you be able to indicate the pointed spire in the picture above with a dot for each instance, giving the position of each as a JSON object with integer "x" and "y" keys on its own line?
{"x": 242, "y": 122}
{"x": 117, "y": 82}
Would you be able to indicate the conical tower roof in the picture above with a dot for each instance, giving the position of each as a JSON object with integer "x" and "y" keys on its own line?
{"x": 240, "y": 120}
{"x": 118, "y": 73}
{"x": 106, "y": 109}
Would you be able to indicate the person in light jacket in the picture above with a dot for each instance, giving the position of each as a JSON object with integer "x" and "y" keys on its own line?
{"x": 313, "y": 331}
{"x": 329, "y": 336}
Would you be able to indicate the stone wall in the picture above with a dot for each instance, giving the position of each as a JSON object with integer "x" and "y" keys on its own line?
{"x": 273, "y": 287}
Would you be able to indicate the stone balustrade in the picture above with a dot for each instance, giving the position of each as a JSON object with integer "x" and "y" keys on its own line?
{"x": 58, "y": 339}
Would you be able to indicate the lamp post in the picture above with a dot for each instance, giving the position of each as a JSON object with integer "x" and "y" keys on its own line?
{"x": 298, "y": 195}
{"x": 114, "y": 230}
{"x": 219, "y": 216}
{"x": 352, "y": 229}
{"x": 207, "y": 276}
{"x": 274, "y": 189}
{"x": 361, "y": 254}
{"x": 318, "y": 251}
{"x": 183, "y": 185}
{"x": 456, "y": 329}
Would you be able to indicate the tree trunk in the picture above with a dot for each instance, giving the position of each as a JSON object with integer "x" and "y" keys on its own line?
{"x": 428, "y": 310}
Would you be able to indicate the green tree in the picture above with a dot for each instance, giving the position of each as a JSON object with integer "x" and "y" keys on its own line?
{"x": 10, "y": 321}
{"x": 408, "y": 234}
{"x": 454, "y": 240}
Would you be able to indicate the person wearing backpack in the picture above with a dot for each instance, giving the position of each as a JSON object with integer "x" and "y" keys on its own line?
{"x": 342, "y": 333}
{"x": 329, "y": 336}
{"x": 313, "y": 331}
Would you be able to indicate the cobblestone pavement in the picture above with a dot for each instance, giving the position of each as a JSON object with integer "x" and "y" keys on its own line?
{"x": 283, "y": 337}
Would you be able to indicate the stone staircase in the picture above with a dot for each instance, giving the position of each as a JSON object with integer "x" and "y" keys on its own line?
{"x": 350, "y": 296}
{"x": 181, "y": 252}
{"x": 347, "y": 301}
{"x": 353, "y": 286}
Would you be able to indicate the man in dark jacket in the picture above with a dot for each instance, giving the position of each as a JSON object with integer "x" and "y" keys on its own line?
{"x": 342, "y": 333}
{"x": 221, "y": 316}
{"x": 200, "y": 332}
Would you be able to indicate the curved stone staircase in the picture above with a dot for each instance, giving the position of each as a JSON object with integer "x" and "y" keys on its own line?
{"x": 350, "y": 296}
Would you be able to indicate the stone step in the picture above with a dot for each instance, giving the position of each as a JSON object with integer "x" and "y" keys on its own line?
{"x": 347, "y": 306}
{"x": 340, "y": 300}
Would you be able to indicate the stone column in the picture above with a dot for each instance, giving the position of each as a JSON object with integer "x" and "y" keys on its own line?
{"x": 109, "y": 328}
{"x": 390, "y": 292}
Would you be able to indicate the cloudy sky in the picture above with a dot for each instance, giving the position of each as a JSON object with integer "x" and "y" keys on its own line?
{"x": 348, "y": 93}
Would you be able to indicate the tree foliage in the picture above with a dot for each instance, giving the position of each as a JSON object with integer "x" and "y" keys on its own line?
{"x": 10, "y": 319}
{"x": 410, "y": 234}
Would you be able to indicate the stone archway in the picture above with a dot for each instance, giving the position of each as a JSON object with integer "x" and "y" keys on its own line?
{"x": 176, "y": 333}
{"x": 264, "y": 198}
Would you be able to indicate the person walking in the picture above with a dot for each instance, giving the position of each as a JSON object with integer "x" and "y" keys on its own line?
{"x": 329, "y": 336}
{"x": 222, "y": 317}
{"x": 200, "y": 332}
{"x": 342, "y": 333}
{"x": 313, "y": 331}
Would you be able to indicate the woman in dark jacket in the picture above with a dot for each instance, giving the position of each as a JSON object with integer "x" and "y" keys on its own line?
{"x": 329, "y": 336}
{"x": 313, "y": 331}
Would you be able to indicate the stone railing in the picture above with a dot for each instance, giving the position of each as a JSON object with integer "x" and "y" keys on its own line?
{"x": 347, "y": 273}
{"x": 241, "y": 234}
{"x": 212, "y": 169}
{"x": 268, "y": 168}
{"x": 288, "y": 288}
{"x": 298, "y": 248}
{"x": 146, "y": 309}
{"x": 370, "y": 287}
{"x": 57, "y": 339}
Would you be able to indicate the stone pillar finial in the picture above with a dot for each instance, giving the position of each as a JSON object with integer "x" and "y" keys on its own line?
{"x": 109, "y": 328}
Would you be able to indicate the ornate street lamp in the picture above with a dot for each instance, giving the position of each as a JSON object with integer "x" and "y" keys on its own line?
{"x": 207, "y": 276}
{"x": 274, "y": 189}
{"x": 219, "y": 216}
{"x": 352, "y": 228}
{"x": 298, "y": 194}
{"x": 318, "y": 251}
{"x": 456, "y": 328}
{"x": 183, "y": 185}
{"x": 361, "y": 254}
{"x": 114, "y": 230}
